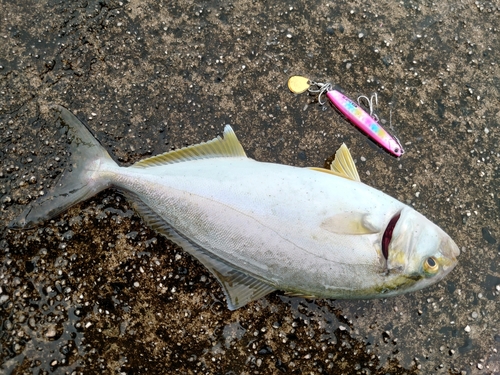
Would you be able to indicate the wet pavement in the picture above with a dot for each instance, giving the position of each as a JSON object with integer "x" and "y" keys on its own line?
{"x": 96, "y": 291}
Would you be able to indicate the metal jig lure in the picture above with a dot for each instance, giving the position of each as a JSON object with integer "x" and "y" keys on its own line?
{"x": 366, "y": 123}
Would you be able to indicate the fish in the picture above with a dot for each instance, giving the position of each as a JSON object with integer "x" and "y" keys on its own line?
{"x": 259, "y": 227}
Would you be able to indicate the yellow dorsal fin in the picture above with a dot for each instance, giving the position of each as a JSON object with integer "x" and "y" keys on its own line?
{"x": 226, "y": 147}
{"x": 343, "y": 165}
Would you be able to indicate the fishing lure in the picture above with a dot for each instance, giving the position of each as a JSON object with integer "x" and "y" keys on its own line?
{"x": 366, "y": 123}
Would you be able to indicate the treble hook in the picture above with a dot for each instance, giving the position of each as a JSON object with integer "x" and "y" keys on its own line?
{"x": 322, "y": 89}
{"x": 370, "y": 104}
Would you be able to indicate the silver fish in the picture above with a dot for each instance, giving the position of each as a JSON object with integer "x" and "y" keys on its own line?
{"x": 260, "y": 227}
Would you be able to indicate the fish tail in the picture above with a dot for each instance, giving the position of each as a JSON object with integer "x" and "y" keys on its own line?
{"x": 84, "y": 177}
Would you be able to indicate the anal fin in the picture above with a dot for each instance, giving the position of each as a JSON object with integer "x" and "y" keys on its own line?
{"x": 239, "y": 287}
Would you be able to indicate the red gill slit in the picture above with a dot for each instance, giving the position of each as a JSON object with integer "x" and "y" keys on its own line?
{"x": 387, "y": 237}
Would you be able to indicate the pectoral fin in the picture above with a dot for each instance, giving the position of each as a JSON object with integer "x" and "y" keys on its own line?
{"x": 354, "y": 223}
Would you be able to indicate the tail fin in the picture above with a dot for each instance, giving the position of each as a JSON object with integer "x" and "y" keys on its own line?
{"x": 81, "y": 179}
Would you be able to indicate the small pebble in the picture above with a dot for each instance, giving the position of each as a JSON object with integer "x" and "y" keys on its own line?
{"x": 51, "y": 332}
{"x": 8, "y": 325}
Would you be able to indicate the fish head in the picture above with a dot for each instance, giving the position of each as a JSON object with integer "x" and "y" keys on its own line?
{"x": 418, "y": 253}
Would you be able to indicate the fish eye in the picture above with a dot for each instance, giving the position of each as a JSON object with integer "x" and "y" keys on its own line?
{"x": 430, "y": 265}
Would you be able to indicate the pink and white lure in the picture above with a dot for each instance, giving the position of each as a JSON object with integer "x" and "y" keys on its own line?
{"x": 366, "y": 123}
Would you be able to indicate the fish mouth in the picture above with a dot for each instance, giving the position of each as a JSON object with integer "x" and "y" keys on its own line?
{"x": 450, "y": 251}
{"x": 387, "y": 237}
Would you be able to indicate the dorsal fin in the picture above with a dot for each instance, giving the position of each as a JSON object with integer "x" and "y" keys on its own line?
{"x": 343, "y": 165}
{"x": 229, "y": 146}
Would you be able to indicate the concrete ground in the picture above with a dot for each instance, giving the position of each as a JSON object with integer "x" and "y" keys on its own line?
{"x": 97, "y": 291}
